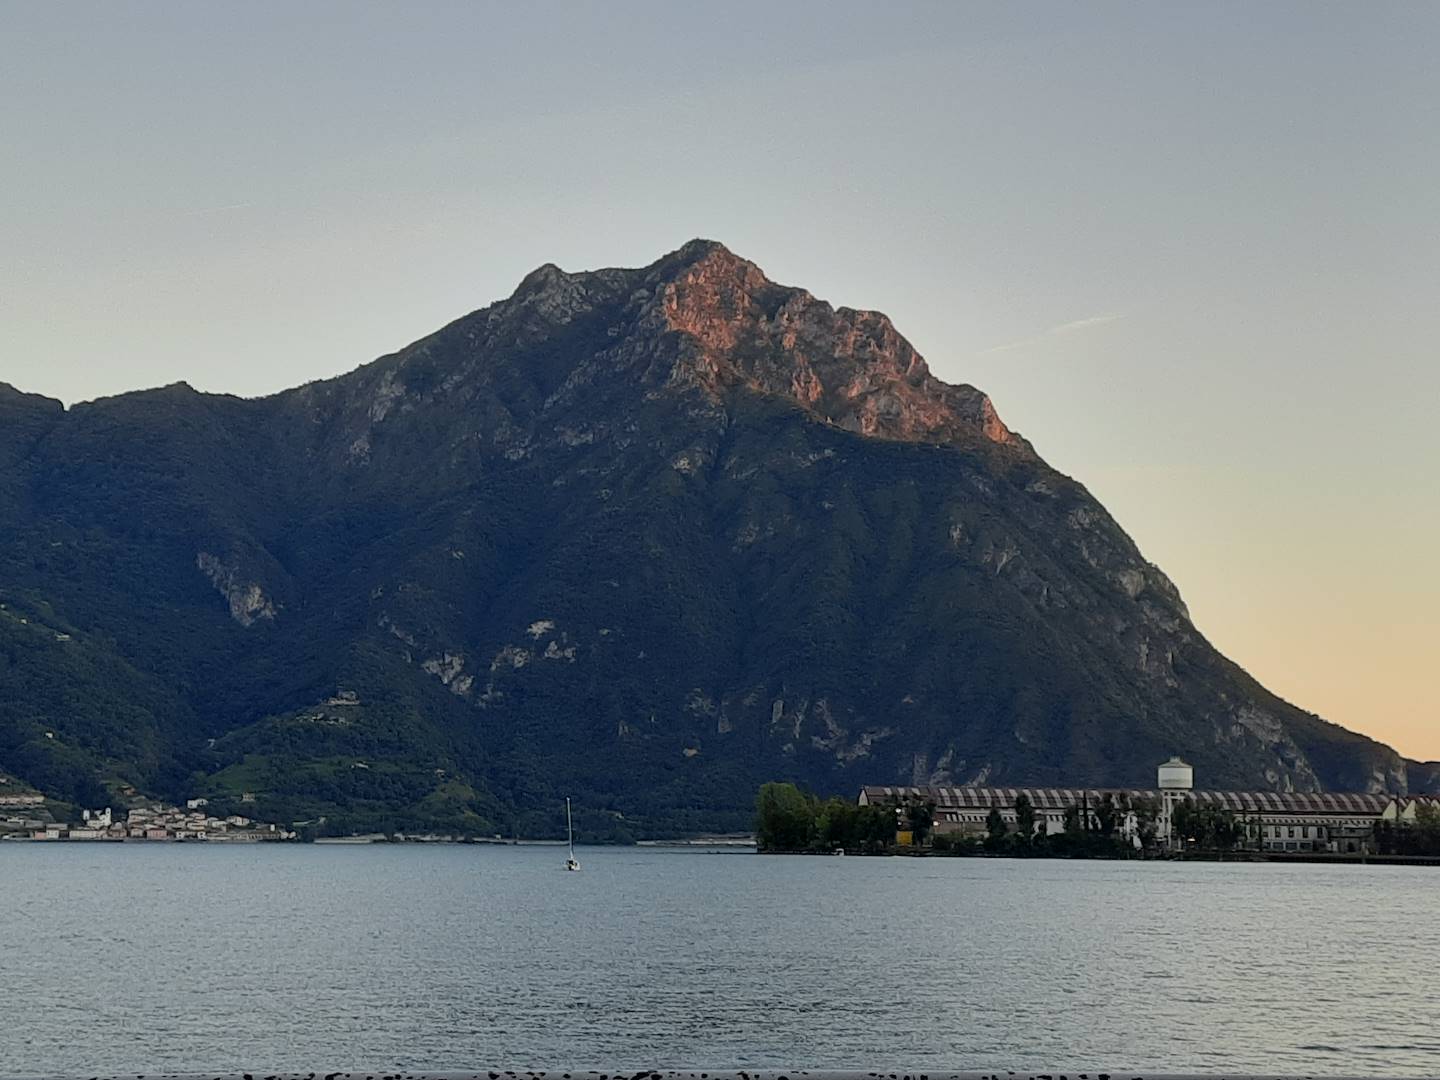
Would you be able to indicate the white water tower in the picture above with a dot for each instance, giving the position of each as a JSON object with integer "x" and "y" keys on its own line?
{"x": 1176, "y": 775}
{"x": 1176, "y": 780}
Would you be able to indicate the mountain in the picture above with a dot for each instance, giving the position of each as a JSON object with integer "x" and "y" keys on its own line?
{"x": 647, "y": 537}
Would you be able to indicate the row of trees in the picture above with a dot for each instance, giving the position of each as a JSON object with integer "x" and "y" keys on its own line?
{"x": 1209, "y": 828}
{"x": 789, "y": 819}
{"x": 1421, "y": 838}
{"x": 1088, "y": 830}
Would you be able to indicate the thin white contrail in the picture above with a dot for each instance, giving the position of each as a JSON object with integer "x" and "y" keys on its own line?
{"x": 1054, "y": 331}
{"x": 215, "y": 209}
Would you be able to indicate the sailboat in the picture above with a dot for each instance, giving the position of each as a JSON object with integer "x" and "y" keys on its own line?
{"x": 571, "y": 863}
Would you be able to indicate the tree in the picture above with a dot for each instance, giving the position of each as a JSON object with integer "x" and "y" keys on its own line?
{"x": 1427, "y": 828}
{"x": 1146, "y": 809}
{"x": 829, "y": 826}
{"x": 842, "y": 825}
{"x": 784, "y": 818}
{"x": 1024, "y": 817}
{"x": 788, "y": 818}
{"x": 877, "y": 827}
{"x": 1106, "y": 816}
{"x": 1420, "y": 837}
{"x": 920, "y": 817}
{"x": 1224, "y": 832}
{"x": 995, "y": 824}
{"x": 1183, "y": 822}
{"x": 1210, "y": 828}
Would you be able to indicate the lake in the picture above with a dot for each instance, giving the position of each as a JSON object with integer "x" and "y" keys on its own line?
{"x": 193, "y": 958}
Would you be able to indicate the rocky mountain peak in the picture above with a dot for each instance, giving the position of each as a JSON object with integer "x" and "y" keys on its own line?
{"x": 704, "y": 318}
{"x": 847, "y": 367}
{"x": 551, "y": 294}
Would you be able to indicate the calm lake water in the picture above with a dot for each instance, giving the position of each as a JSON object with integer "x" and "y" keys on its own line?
{"x": 187, "y": 957}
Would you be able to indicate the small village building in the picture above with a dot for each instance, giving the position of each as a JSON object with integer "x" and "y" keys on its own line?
{"x": 97, "y": 819}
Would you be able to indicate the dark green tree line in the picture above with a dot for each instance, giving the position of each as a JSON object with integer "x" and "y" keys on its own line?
{"x": 790, "y": 819}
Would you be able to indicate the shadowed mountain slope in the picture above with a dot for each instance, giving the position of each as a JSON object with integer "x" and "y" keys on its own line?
{"x": 647, "y": 537}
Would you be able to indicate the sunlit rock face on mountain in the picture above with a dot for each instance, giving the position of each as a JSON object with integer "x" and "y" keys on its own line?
{"x": 849, "y": 368}
{"x": 647, "y": 537}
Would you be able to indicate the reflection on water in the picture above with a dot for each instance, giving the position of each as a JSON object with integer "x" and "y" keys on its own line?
{"x": 133, "y": 957}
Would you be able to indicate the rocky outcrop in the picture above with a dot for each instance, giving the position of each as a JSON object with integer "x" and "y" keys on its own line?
{"x": 246, "y": 599}
{"x": 846, "y": 367}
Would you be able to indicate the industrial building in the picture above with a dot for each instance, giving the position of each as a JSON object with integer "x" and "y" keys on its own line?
{"x": 1339, "y": 822}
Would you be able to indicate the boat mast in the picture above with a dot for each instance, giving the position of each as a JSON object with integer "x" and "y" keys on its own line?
{"x": 569, "y": 828}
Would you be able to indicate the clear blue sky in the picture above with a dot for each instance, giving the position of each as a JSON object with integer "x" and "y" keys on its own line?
{"x": 1190, "y": 249}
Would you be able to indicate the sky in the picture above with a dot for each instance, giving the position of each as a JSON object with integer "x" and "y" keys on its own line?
{"x": 1192, "y": 251}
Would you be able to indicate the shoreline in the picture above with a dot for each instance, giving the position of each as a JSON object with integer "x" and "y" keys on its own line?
{"x": 1314, "y": 858}
{"x": 733, "y": 843}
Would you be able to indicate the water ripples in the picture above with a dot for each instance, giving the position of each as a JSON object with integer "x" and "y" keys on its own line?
{"x": 191, "y": 958}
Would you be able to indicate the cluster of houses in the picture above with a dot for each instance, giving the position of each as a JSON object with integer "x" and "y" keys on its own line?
{"x": 25, "y": 820}
{"x": 1335, "y": 822}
